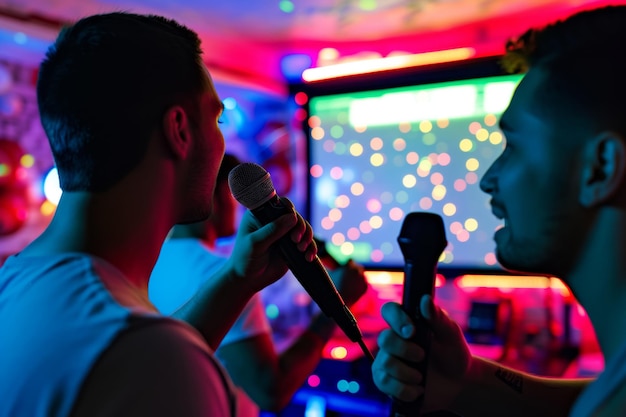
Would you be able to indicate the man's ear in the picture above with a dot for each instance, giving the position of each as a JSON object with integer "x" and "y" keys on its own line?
{"x": 604, "y": 169}
{"x": 176, "y": 130}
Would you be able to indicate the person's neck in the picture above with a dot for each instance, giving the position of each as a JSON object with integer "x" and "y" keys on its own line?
{"x": 206, "y": 234}
{"x": 599, "y": 282}
{"x": 127, "y": 234}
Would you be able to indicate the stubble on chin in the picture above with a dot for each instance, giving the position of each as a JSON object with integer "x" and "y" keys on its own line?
{"x": 524, "y": 257}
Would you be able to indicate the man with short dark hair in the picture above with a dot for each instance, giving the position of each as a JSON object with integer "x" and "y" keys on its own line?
{"x": 131, "y": 115}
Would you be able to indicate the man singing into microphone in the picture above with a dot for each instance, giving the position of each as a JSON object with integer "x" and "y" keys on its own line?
{"x": 131, "y": 115}
{"x": 560, "y": 188}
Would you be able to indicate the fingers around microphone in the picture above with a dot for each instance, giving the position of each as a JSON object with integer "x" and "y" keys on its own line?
{"x": 392, "y": 344}
{"x": 397, "y": 319}
{"x": 394, "y": 377}
{"x": 302, "y": 236}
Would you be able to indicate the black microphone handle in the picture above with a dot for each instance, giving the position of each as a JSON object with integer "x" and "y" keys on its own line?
{"x": 312, "y": 275}
{"x": 422, "y": 239}
{"x": 414, "y": 290}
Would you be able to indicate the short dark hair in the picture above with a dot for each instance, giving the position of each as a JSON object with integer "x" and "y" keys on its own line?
{"x": 585, "y": 64}
{"x": 103, "y": 88}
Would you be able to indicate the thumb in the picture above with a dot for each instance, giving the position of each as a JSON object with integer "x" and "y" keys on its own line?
{"x": 440, "y": 323}
{"x": 397, "y": 319}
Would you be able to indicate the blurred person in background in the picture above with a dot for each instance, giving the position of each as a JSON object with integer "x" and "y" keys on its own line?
{"x": 188, "y": 259}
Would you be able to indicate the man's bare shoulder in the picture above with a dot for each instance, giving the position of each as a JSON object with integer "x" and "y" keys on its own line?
{"x": 158, "y": 367}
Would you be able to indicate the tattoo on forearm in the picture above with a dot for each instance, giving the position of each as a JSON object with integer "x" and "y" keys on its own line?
{"x": 512, "y": 379}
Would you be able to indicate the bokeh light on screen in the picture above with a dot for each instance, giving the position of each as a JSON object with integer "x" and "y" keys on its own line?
{"x": 353, "y": 233}
{"x": 338, "y": 239}
{"x": 396, "y": 214}
{"x": 436, "y": 178}
{"x": 482, "y": 134}
{"x": 357, "y": 188}
{"x": 377, "y": 159}
{"x": 395, "y": 151}
{"x": 316, "y": 171}
{"x": 449, "y": 209}
{"x": 496, "y": 138}
{"x": 342, "y": 201}
{"x": 399, "y": 144}
{"x": 356, "y": 149}
{"x": 336, "y": 132}
{"x": 314, "y": 121}
{"x": 409, "y": 181}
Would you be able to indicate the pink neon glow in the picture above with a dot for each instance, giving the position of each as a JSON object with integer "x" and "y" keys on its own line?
{"x": 301, "y": 98}
{"x": 300, "y": 115}
{"x": 313, "y": 381}
{"x": 385, "y": 278}
{"x": 512, "y": 281}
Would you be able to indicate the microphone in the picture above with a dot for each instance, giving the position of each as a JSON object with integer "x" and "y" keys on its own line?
{"x": 422, "y": 239}
{"x": 252, "y": 186}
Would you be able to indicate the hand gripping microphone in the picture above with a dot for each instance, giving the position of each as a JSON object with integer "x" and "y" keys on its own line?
{"x": 252, "y": 186}
{"x": 422, "y": 239}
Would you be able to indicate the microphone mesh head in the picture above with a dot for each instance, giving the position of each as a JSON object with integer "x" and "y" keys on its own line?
{"x": 251, "y": 185}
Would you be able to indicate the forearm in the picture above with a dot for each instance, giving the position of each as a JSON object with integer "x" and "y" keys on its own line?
{"x": 216, "y": 306}
{"x": 308, "y": 348}
{"x": 299, "y": 361}
{"x": 493, "y": 390}
{"x": 269, "y": 378}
